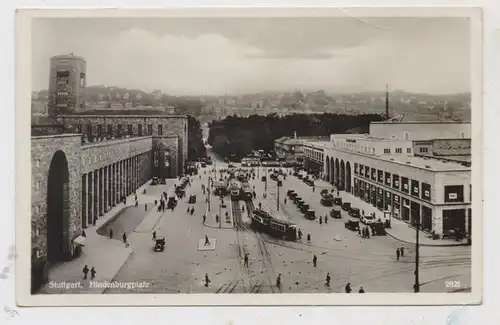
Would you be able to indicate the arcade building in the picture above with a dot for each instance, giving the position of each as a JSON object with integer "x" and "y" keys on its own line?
{"x": 83, "y": 165}
{"x": 431, "y": 189}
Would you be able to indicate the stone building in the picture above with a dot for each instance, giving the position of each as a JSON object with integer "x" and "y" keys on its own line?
{"x": 78, "y": 176}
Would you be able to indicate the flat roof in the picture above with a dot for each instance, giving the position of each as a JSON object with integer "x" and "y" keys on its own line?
{"x": 422, "y": 122}
{"x": 126, "y": 116}
{"x": 431, "y": 164}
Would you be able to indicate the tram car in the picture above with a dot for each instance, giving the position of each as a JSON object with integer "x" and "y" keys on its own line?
{"x": 246, "y": 190}
{"x": 241, "y": 176}
{"x": 234, "y": 189}
{"x": 264, "y": 222}
{"x": 220, "y": 188}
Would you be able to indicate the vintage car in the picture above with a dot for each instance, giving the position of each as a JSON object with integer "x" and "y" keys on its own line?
{"x": 263, "y": 178}
{"x": 310, "y": 214}
{"x": 378, "y": 228}
{"x": 336, "y": 213}
{"x": 337, "y": 201}
{"x": 327, "y": 201}
{"x": 159, "y": 244}
{"x": 171, "y": 203}
{"x": 323, "y": 192}
{"x": 352, "y": 225}
{"x": 155, "y": 181}
{"x": 290, "y": 192}
{"x": 346, "y": 206}
{"x": 368, "y": 220}
{"x": 203, "y": 165}
{"x": 304, "y": 208}
{"x": 192, "y": 199}
{"x": 354, "y": 212}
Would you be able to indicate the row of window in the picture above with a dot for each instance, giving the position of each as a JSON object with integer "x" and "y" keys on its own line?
{"x": 422, "y": 190}
{"x": 424, "y": 150}
{"x": 62, "y": 93}
{"x": 313, "y": 154}
{"x": 148, "y": 130}
{"x": 398, "y": 150}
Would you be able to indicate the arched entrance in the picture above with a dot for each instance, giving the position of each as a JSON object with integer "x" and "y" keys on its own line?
{"x": 327, "y": 171}
{"x": 348, "y": 177}
{"x": 337, "y": 169}
{"x": 58, "y": 209}
{"x": 342, "y": 176}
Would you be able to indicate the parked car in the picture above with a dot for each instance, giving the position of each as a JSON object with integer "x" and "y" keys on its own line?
{"x": 354, "y": 212}
{"x": 310, "y": 214}
{"x": 323, "y": 191}
{"x": 352, "y": 225}
{"x": 378, "y": 228}
{"x": 263, "y": 178}
{"x": 326, "y": 201}
{"x": 304, "y": 208}
{"x": 203, "y": 165}
{"x": 368, "y": 220}
{"x": 192, "y": 199}
{"x": 346, "y": 206}
{"x": 290, "y": 192}
{"x": 336, "y": 213}
{"x": 337, "y": 201}
{"x": 154, "y": 181}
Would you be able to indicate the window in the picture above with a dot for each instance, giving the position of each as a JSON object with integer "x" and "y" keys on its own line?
{"x": 406, "y": 187}
{"x": 129, "y": 127}
{"x": 386, "y": 150}
{"x": 380, "y": 176}
{"x": 62, "y": 73}
{"x": 150, "y": 129}
{"x": 423, "y": 150}
{"x": 79, "y": 128}
{"x": 408, "y": 150}
{"x": 426, "y": 192}
{"x": 407, "y": 136}
{"x": 119, "y": 131}
{"x": 399, "y": 150}
{"x": 387, "y": 179}
{"x": 99, "y": 130}
{"x": 395, "y": 181}
{"x": 110, "y": 130}
{"x": 454, "y": 193}
{"x": 37, "y": 185}
{"x": 139, "y": 130}
{"x": 355, "y": 168}
{"x": 89, "y": 130}
{"x": 415, "y": 188}
{"x": 160, "y": 129}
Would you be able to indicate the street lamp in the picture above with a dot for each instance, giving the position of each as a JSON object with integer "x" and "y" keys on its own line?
{"x": 416, "y": 286}
{"x": 208, "y": 193}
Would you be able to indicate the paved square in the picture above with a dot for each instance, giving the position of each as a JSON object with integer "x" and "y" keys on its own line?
{"x": 203, "y": 247}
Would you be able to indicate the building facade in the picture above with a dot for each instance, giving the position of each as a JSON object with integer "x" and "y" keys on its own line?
{"x": 67, "y": 83}
{"x": 434, "y": 194}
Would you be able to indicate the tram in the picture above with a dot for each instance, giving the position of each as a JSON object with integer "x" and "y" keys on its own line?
{"x": 234, "y": 189}
{"x": 264, "y": 222}
{"x": 246, "y": 191}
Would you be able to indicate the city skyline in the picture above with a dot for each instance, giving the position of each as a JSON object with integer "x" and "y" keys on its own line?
{"x": 202, "y": 56}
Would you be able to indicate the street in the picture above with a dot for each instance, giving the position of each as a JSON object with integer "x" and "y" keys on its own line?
{"x": 370, "y": 263}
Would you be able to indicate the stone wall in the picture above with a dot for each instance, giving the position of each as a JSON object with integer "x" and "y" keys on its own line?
{"x": 43, "y": 149}
{"x": 100, "y": 154}
{"x": 170, "y": 125}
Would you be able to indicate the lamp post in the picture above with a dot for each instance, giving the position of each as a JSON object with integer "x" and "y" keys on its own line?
{"x": 416, "y": 286}
{"x": 220, "y": 214}
{"x": 278, "y": 196}
{"x": 208, "y": 193}
{"x": 265, "y": 183}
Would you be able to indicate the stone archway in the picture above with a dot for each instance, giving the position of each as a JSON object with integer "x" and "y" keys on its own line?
{"x": 342, "y": 176}
{"x": 337, "y": 170}
{"x": 327, "y": 169}
{"x": 348, "y": 177}
{"x": 58, "y": 212}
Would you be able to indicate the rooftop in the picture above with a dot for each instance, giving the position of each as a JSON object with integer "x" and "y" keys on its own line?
{"x": 422, "y": 122}
{"x": 427, "y": 163}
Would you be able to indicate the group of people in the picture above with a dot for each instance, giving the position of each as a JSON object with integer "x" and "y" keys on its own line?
{"x": 86, "y": 271}
{"x": 364, "y": 232}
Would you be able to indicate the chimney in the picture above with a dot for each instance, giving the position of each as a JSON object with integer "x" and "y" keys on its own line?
{"x": 387, "y": 101}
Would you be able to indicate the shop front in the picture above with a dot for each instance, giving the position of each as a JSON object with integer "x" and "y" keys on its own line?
{"x": 415, "y": 213}
{"x": 426, "y": 218}
{"x": 453, "y": 219}
{"x": 405, "y": 213}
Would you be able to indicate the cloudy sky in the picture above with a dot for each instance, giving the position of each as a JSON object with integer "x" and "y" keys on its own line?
{"x": 193, "y": 56}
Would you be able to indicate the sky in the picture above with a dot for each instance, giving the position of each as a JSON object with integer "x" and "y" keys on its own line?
{"x": 217, "y": 56}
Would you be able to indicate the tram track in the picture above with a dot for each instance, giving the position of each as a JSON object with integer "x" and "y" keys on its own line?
{"x": 239, "y": 226}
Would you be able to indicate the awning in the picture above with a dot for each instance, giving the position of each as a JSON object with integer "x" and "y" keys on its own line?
{"x": 80, "y": 240}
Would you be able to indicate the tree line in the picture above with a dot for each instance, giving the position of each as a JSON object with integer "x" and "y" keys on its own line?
{"x": 239, "y": 136}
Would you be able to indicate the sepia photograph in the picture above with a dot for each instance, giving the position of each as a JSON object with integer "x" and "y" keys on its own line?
{"x": 306, "y": 156}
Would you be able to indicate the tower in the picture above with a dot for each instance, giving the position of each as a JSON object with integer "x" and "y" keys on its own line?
{"x": 67, "y": 83}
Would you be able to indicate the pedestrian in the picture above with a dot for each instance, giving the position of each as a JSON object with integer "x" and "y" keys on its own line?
{"x": 361, "y": 290}
{"x": 207, "y": 280}
{"x": 313, "y": 188}
{"x": 85, "y": 272}
{"x": 328, "y": 278}
{"x": 402, "y": 249}
{"x": 363, "y": 212}
{"x": 315, "y": 260}
{"x": 204, "y": 219}
{"x": 309, "y": 237}
{"x": 136, "y": 203}
{"x": 246, "y": 260}
{"x": 188, "y": 210}
{"x": 285, "y": 200}
{"x": 367, "y": 232}
{"x": 338, "y": 193}
{"x": 207, "y": 242}
{"x": 397, "y": 254}
{"x": 125, "y": 239}
{"x": 326, "y": 218}
{"x": 300, "y": 234}
{"x": 145, "y": 207}
{"x": 94, "y": 221}
{"x": 359, "y": 232}
{"x": 156, "y": 202}
{"x": 348, "y": 288}
{"x": 154, "y": 235}
{"x": 192, "y": 211}
{"x": 216, "y": 218}
{"x": 278, "y": 281}
{"x": 111, "y": 233}
{"x": 320, "y": 220}
{"x": 92, "y": 273}
{"x": 83, "y": 233}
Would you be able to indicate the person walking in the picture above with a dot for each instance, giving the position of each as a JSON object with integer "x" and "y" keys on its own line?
{"x": 309, "y": 237}
{"x": 361, "y": 290}
{"x": 207, "y": 280}
{"x": 315, "y": 260}
{"x": 246, "y": 260}
{"x": 146, "y": 207}
{"x": 402, "y": 249}
{"x": 85, "y": 272}
{"x": 326, "y": 218}
{"x": 367, "y": 232}
{"x": 284, "y": 201}
{"x": 125, "y": 239}
{"x": 204, "y": 219}
{"x": 92, "y": 273}
{"x": 111, "y": 233}
{"x": 278, "y": 281}
{"x": 397, "y": 254}
{"x": 207, "y": 242}
{"x": 348, "y": 288}
{"x": 328, "y": 278}
{"x": 359, "y": 232}
{"x": 320, "y": 220}
{"x": 154, "y": 235}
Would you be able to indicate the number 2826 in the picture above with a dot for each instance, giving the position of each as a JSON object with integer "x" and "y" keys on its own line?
{"x": 452, "y": 284}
